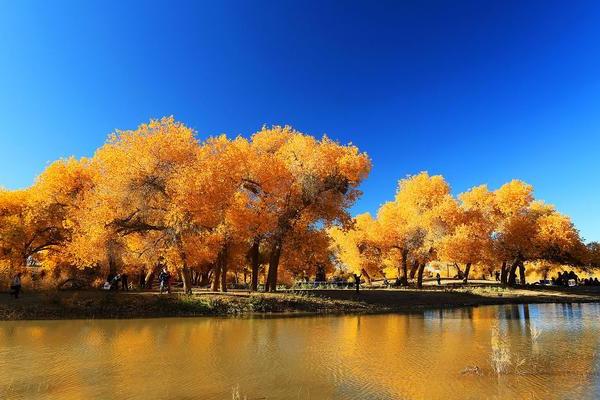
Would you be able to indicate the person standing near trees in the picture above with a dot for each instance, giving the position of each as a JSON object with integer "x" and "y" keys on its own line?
{"x": 124, "y": 281}
{"x": 15, "y": 286}
{"x": 114, "y": 284}
{"x": 163, "y": 278}
{"x": 357, "y": 282}
{"x": 438, "y": 278}
{"x": 142, "y": 278}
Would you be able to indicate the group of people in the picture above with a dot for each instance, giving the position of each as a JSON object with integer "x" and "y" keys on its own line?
{"x": 113, "y": 280}
{"x": 591, "y": 282}
{"x": 563, "y": 278}
{"x": 571, "y": 279}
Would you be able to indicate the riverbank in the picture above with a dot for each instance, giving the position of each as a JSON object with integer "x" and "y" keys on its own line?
{"x": 100, "y": 304}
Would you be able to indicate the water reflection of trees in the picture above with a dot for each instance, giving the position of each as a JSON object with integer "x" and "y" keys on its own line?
{"x": 417, "y": 356}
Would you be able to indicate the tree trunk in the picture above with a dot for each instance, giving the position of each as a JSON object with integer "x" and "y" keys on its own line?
{"x": 204, "y": 279}
{"x": 503, "y": 273}
{"x": 459, "y": 272}
{"x": 320, "y": 273}
{"x": 220, "y": 270}
{"x": 149, "y": 278}
{"x": 216, "y": 276}
{"x": 512, "y": 275}
{"x": 466, "y": 276}
{"x": 187, "y": 279}
{"x": 522, "y": 273}
{"x": 414, "y": 269}
{"x": 112, "y": 265}
{"x": 255, "y": 264}
{"x": 271, "y": 285}
{"x": 420, "y": 271}
{"x": 224, "y": 275}
{"x": 364, "y": 273}
{"x": 404, "y": 276}
{"x": 223, "y": 259}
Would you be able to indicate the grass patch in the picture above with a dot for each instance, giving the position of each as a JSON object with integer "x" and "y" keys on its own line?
{"x": 102, "y": 304}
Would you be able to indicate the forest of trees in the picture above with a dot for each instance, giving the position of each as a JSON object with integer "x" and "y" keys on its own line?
{"x": 273, "y": 207}
{"x": 501, "y": 230}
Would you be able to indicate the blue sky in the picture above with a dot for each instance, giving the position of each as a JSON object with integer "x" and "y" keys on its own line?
{"x": 481, "y": 92}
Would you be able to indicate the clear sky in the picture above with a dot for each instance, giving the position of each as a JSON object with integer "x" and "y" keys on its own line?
{"x": 479, "y": 91}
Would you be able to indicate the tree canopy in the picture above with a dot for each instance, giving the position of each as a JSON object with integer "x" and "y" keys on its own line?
{"x": 275, "y": 205}
{"x": 501, "y": 229}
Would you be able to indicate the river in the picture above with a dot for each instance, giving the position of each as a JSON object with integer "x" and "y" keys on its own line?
{"x": 493, "y": 352}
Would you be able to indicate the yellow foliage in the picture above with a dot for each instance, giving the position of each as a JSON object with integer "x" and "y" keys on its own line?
{"x": 157, "y": 191}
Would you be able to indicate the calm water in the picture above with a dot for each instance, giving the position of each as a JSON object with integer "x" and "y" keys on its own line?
{"x": 550, "y": 352}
